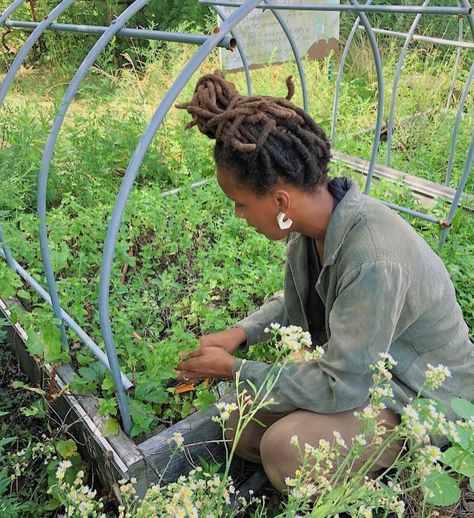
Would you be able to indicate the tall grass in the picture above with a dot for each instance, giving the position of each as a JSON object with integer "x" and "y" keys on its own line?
{"x": 112, "y": 109}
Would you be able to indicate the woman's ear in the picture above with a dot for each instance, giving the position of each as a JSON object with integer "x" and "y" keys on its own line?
{"x": 282, "y": 199}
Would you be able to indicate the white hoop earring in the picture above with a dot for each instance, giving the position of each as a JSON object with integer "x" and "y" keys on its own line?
{"x": 282, "y": 223}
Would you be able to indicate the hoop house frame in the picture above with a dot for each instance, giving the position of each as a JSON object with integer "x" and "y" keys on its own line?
{"x": 226, "y": 37}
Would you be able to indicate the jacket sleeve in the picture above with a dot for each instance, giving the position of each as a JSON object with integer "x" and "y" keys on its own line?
{"x": 367, "y": 315}
{"x": 273, "y": 310}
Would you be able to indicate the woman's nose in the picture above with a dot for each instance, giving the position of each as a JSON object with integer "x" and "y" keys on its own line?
{"x": 238, "y": 212}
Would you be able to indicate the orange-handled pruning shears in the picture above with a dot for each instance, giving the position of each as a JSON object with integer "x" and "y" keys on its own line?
{"x": 183, "y": 388}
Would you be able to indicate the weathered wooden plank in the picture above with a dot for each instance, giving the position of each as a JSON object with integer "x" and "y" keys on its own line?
{"x": 419, "y": 186}
{"x": 202, "y": 439}
{"x": 116, "y": 457}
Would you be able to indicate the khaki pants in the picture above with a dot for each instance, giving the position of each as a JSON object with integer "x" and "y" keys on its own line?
{"x": 270, "y": 445}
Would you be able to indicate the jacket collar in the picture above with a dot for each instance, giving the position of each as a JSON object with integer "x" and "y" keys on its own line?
{"x": 342, "y": 220}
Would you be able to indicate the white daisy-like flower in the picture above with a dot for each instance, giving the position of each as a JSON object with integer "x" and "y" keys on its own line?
{"x": 178, "y": 439}
{"x": 339, "y": 440}
{"x": 436, "y": 376}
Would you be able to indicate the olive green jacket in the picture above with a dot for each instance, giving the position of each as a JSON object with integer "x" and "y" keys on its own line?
{"x": 384, "y": 290}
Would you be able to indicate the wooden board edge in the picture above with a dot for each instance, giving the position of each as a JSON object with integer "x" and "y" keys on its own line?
{"x": 202, "y": 440}
{"x": 116, "y": 457}
{"x": 420, "y": 186}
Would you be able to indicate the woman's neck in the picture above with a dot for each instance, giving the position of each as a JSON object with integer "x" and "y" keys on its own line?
{"x": 313, "y": 213}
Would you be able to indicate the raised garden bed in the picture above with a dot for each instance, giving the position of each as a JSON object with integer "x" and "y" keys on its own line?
{"x": 119, "y": 457}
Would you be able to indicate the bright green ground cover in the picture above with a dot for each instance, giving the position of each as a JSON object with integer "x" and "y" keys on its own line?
{"x": 192, "y": 267}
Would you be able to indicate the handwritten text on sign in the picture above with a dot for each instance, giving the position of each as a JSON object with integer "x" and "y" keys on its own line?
{"x": 264, "y": 41}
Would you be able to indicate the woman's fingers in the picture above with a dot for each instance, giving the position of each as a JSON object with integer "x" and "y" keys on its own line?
{"x": 207, "y": 340}
{"x": 209, "y": 362}
{"x": 185, "y": 355}
{"x": 191, "y": 364}
{"x": 187, "y": 360}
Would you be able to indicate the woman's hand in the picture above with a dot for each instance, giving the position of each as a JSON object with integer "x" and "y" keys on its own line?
{"x": 229, "y": 340}
{"x": 206, "y": 362}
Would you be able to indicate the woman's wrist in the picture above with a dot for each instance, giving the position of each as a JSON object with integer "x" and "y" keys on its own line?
{"x": 239, "y": 336}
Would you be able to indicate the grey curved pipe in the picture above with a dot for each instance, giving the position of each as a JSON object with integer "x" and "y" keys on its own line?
{"x": 6, "y": 250}
{"x": 240, "y": 48}
{"x": 141, "y": 34}
{"x": 456, "y": 62}
{"x": 9, "y": 10}
{"x": 470, "y": 16}
{"x": 135, "y": 163}
{"x": 83, "y": 336}
{"x": 457, "y": 124}
{"x": 396, "y": 80}
{"x": 79, "y": 76}
{"x": 459, "y": 191}
{"x": 470, "y": 155}
{"x": 296, "y": 52}
{"x": 32, "y": 39}
{"x": 378, "y": 66}
{"x": 405, "y": 9}
{"x": 3, "y": 18}
{"x": 340, "y": 70}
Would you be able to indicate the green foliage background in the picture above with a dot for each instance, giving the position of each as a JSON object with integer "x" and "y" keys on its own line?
{"x": 67, "y": 50}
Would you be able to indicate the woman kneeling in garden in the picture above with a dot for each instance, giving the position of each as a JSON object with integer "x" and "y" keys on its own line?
{"x": 357, "y": 277}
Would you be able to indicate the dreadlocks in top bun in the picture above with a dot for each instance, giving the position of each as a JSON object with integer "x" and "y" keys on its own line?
{"x": 262, "y": 139}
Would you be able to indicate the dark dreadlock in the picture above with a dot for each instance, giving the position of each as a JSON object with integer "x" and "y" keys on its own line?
{"x": 261, "y": 139}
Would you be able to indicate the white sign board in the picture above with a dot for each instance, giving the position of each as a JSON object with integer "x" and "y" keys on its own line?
{"x": 264, "y": 41}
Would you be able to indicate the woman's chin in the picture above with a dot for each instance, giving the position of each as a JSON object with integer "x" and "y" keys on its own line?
{"x": 274, "y": 236}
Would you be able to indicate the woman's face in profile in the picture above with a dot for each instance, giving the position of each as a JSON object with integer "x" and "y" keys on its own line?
{"x": 259, "y": 211}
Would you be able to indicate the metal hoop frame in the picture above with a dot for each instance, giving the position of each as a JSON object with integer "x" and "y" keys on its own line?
{"x": 207, "y": 44}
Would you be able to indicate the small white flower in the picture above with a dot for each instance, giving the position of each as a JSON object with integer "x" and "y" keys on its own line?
{"x": 324, "y": 446}
{"x": 226, "y": 409}
{"x": 398, "y": 507}
{"x": 316, "y": 354}
{"x": 419, "y": 431}
{"x": 360, "y": 440}
{"x": 369, "y": 412}
{"x": 178, "y": 439}
{"x": 431, "y": 453}
{"x": 339, "y": 440}
{"x": 382, "y": 392}
{"x": 364, "y": 512}
{"x": 436, "y": 376}
{"x": 309, "y": 450}
{"x": 452, "y": 432}
{"x": 410, "y": 413}
{"x": 388, "y": 359}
